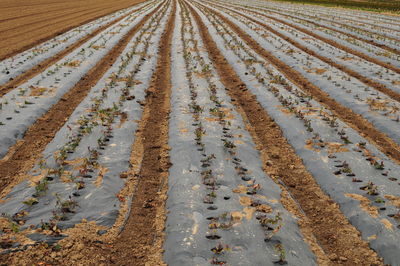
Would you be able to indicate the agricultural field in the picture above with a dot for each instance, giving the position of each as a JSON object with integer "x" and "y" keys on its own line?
{"x": 369, "y": 5}
{"x": 25, "y": 23}
{"x": 214, "y": 132}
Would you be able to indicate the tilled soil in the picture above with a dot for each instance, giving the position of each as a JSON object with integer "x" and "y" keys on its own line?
{"x": 23, "y": 155}
{"x": 138, "y": 235}
{"x": 344, "y": 48}
{"x": 335, "y": 235}
{"x": 24, "y": 24}
{"x": 356, "y": 121}
{"x": 141, "y": 240}
{"x": 367, "y": 81}
{"x": 46, "y": 63}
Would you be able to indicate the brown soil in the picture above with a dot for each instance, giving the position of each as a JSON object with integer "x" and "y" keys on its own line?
{"x": 48, "y": 62}
{"x": 372, "y": 24}
{"x": 330, "y": 236}
{"x": 22, "y": 157}
{"x": 366, "y": 31}
{"x": 356, "y": 121}
{"x": 341, "y": 242}
{"x": 396, "y": 51}
{"x": 26, "y": 23}
{"x": 367, "y": 81}
{"x": 331, "y": 42}
{"x": 141, "y": 240}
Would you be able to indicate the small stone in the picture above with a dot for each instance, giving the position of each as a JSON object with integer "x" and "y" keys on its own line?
{"x": 343, "y": 258}
{"x": 333, "y": 257}
{"x": 123, "y": 175}
{"x": 269, "y": 163}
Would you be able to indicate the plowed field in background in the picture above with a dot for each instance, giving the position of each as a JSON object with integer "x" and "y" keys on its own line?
{"x": 24, "y": 23}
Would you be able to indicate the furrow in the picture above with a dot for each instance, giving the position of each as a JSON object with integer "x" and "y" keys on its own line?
{"x": 370, "y": 41}
{"x": 356, "y": 121}
{"x": 31, "y": 43}
{"x": 42, "y": 65}
{"x": 332, "y": 42}
{"x": 328, "y": 224}
{"x": 22, "y": 156}
{"x": 214, "y": 163}
{"x": 367, "y": 81}
{"x": 142, "y": 236}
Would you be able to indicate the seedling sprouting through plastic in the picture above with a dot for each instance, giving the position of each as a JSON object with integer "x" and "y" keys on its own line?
{"x": 30, "y": 201}
{"x": 228, "y": 144}
{"x": 371, "y": 189}
{"x": 279, "y": 248}
{"x": 41, "y": 187}
{"x": 220, "y": 249}
{"x": 379, "y": 166}
{"x": 66, "y": 206}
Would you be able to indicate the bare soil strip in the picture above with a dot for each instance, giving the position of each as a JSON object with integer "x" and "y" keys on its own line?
{"x": 367, "y": 81}
{"x": 48, "y": 62}
{"x": 23, "y": 155}
{"x": 142, "y": 236}
{"x": 329, "y": 41}
{"x": 372, "y": 24}
{"x": 356, "y": 121}
{"x": 390, "y": 49}
{"x": 35, "y": 35}
{"x": 363, "y": 30}
{"x": 338, "y": 238}
{"x": 140, "y": 242}
{"x": 42, "y": 21}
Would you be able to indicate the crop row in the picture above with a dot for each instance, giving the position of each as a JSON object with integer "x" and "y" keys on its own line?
{"x": 379, "y": 50}
{"x": 376, "y": 107}
{"x": 240, "y": 80}
{"x": 350, "y": 170}
{"x": 383, "y": 35}
{"x": 20, "y": 63}
{"x": 83, "y": 169}
{"x": 20, "y": 107}
{"x": 216, "y": 177}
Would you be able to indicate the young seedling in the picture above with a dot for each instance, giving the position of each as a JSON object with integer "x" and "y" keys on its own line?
{"x": 66, "y": 206}
{"x": 379, "y": 200}
{"x": 346, "y": 169}
{"x": 371, "y": 189}
{"x": 228, "y": 144}
{"x": 80, "y": 185}
{"x": 57, "y": 248}
{"x": 332, "y": 122}
{"x": 220, "y": 249}
{"x": 199, "y": 132}
{"x": 379, "y": 166}
{"x": 41, "y": 188}
{"x": 51, "y": 226}
{"x": 279, "y": 248}
{"x": 14, "y": 227}
{"x": 253, "y": 188}
{"x": 307, "y": 124}
{"x": 30, "y": 201}
{"x": 267, "y": 222}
